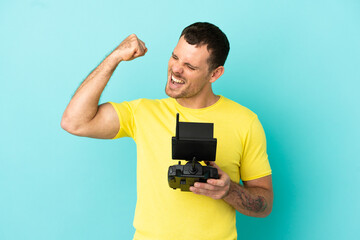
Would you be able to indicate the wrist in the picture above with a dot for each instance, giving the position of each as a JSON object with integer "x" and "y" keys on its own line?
{"x": 116, "y": 56}
{"x": 227, "y": 196}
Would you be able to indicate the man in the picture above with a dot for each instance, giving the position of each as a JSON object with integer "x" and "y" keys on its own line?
{"x": 208, "y": 211}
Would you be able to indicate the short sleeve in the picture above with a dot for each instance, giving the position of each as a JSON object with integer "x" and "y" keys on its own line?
{"x": 254, "y": 162}
{"x": 125, "y": 112}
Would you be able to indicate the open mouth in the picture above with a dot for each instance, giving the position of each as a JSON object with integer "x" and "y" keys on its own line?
{"x": 176, "y": 81}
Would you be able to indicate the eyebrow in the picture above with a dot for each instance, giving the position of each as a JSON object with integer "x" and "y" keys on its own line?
{"x": 189, "y": 64}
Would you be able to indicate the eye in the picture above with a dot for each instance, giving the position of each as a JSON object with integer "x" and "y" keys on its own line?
{"x": 174, "y": 57}
{"x": 190, "y": 67}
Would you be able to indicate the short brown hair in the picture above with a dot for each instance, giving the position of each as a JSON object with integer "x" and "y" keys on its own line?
{"x": 201, "y": 33}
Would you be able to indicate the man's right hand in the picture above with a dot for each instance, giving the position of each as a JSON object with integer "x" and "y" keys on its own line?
{"x": 131, "y": 48}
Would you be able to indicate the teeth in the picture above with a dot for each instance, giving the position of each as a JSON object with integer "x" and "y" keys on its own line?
{"x": 177, "y": 80}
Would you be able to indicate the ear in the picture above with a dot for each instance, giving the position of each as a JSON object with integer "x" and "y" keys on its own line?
{"x": 216, "y": 73}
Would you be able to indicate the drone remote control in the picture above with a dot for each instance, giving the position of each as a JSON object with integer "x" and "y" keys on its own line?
{"x": 193, "y": 142}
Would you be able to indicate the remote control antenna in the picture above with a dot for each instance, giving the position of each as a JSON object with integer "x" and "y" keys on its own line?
{"x": 193, "y": 164}
{"x": 177, "y": 125}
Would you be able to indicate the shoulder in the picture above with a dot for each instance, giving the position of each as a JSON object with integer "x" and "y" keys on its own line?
{"x": 142, "y": 103}
{"x": 237, "y": 110}
{"x": 153, "y": 101}
{"x": 145, "y": 102}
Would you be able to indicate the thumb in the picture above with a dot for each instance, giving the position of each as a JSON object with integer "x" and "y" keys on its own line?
{"x": 213, "y": 164}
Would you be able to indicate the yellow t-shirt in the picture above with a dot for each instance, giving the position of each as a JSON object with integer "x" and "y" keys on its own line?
{"x": 165, "y": 213}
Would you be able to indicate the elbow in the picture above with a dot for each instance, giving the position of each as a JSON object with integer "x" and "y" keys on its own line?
{"x": 68, "y": 126}
{"x": 265, "y": 211}
{"x": 260, "y": 211}
{"x": 65, "y": 124}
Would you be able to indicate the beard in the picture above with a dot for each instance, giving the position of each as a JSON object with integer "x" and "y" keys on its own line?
{"x": 175, "y": 92}
{"x": 183, "y": 92}
{"x": 190, "y": 87}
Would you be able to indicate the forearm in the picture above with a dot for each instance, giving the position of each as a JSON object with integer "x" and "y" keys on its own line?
{"x": 251, "y": 201}
{"x": 84, "y": 104}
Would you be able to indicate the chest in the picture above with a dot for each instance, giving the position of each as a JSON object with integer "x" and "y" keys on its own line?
{"x": 153, "y": 138}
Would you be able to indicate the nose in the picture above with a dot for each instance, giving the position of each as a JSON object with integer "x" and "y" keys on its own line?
{"x": 177, "y": 68}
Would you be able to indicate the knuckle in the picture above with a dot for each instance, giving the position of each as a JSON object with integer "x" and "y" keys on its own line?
{"x": 216, "y": 197}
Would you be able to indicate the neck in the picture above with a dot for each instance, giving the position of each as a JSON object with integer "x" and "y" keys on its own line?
{"x": 198, "y": 102}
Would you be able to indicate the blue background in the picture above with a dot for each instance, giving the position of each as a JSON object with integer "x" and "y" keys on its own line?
{"x": 294, "y": 63}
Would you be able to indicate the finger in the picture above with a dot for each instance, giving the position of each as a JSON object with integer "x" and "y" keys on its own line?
{"x": 139, "y": 51}
{"x": 206, "y": 186}
{"x": 133, "y": 35}
{"x": 220, "y": 172}
{"x": 141, "y": 48}
{"x": 201, "y": 191}
{"x": 143, "y": 51}
{"x": 142, "y": 43}
{"x": 144, "y": 48}
{"x": 213, "y": 164}
{"x": 217, "y": 182}
{"x": 208, "y": 193}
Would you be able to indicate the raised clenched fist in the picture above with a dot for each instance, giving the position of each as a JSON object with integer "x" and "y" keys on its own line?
{"x": 131, "y": 48}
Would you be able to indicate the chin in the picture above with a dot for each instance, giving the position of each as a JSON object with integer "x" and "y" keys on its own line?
{"x": 170, "y": 93}
{"x": 174, "y": 94}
